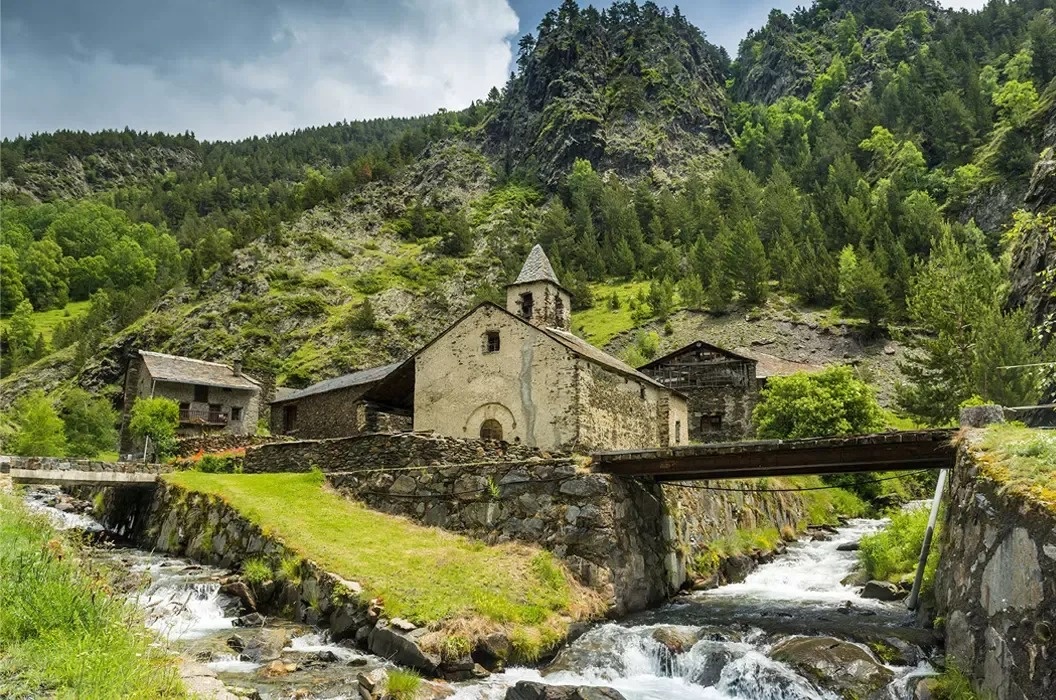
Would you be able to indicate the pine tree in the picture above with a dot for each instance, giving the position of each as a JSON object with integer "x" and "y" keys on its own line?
{"x": 749, "y": 265}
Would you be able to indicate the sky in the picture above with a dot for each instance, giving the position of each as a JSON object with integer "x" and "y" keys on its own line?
{"x": 238, "y": 68}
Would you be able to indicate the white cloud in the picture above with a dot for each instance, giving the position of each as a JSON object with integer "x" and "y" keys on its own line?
{"x": 411, "y": 57}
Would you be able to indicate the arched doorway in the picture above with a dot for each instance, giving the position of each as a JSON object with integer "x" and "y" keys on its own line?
{"x": 491, "y": 429}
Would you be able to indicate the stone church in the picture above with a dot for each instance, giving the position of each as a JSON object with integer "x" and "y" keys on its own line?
{"x": 518, "y": 374}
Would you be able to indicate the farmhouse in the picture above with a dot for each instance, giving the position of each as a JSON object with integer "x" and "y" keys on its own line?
{"x": 335, "y": 408}
{"x": 721, "y": 388}
{"x": 213, "y": 397}
{"x": 518, "y": 374}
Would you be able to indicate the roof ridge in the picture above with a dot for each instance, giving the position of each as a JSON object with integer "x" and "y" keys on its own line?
{"x": 185, "y": 358}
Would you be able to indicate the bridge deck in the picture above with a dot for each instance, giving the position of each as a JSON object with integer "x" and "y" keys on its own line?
{"x": 901, "y": 450}
{"x": 74, "y": 477}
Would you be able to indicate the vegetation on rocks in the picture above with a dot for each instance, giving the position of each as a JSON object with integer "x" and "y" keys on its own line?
{"x": 892, "y": 554}
{"x": 63, "y": 633}
{"x": 1022, "y": 459}
{"x": 422, "y": 574}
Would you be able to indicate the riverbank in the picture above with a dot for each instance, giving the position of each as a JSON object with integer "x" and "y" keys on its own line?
{"x": 463, "y": 591}
{"x": 63, "y": 631}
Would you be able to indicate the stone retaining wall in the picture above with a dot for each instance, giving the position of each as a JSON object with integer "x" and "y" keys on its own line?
{"x": 608, "y": 530}
{"x": 84, "y": 465}
{"x": 380, "y": 451}
{"x": 995, "y": 586}
{"x": 220, "y": 442}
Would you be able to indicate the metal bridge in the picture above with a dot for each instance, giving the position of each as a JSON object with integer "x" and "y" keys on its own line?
{"x": 892, "y": 451}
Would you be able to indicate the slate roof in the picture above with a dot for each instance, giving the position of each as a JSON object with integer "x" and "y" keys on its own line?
{"x": 596, "y": 355}
{"x": 365, "y": 376}
{"x": 774, "y": 366}
{"x": 537, "y": 268}
{"x": 697, "y": 345}
{"x": 188, "y": 370}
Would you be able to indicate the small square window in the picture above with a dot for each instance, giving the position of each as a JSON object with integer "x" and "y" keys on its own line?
{"x": 236, "y": 413}
{"x": 491, "y": 341}
{"x": 201, "y": 393}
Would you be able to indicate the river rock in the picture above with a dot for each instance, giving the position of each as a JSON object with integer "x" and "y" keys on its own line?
{"x": 250, "y": 620}
{"x": 277, "y": 669}
{"x": 201, "y": 682}
{"x": 925, "y": 689}
{"x": 677, "y": 639}
{"x": 848, "y": 547}
{"x": 240, "y": 591}
{"x": 737, "y": 568}
{"x": 530, "y": 690}
{"x": 834, "y": 664}
{"x": 882, "y": 590}
{"x": 401, "y": 648}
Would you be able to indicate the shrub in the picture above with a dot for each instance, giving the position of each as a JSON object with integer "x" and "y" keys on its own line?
{"x": 894, "y": 551}
{"x": 218, "y": 464}
{"x": 290, "y": 570}
{"x": 832, "y": 402}
{"x": 156, "y": 419}
{"x": 38, "y": 429}
{"x": 89, "y": 424}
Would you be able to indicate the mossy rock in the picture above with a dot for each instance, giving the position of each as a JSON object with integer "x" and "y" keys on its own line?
{"x": 833, "y": 664}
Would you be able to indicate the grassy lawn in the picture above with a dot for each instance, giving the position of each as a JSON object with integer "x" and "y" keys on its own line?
{"x": 63, "y": 633}
{"x": 601, "y": 323}
{"x": 1022, "y": 458}
{"x": 423, "y": 574}
{"x": 46, "y": 321}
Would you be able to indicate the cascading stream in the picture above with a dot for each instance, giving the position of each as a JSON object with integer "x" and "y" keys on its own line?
{"x": 711, "y": 645}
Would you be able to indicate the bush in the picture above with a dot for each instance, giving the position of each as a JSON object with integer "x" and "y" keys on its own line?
{"x": 156, "y": 419}
{"x": 832, "y": 402}
{"x": 218, "y": 464}
{"x": 89, "y": 424}
{"x": 38, "y": 429}
{"x": 893, "y": 552}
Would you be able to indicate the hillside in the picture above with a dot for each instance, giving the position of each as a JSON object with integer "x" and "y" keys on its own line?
{"x": 673, "y": 189}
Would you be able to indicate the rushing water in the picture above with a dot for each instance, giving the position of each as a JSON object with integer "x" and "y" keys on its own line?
{"x": 728, "y": 632}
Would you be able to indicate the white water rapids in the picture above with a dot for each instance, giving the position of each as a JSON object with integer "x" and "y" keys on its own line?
{"x": 183, "y": 603}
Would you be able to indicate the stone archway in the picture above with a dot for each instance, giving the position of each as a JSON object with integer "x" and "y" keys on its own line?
{"x": 490, "y": 429}
{"x": 491, "y": 419}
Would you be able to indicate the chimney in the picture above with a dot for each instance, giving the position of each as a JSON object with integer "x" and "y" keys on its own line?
{"x": 236, "y": 367}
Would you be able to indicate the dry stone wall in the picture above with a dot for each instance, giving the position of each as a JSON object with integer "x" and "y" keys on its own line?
{"x": 219, "y": 442}
{"x": 996, "y": 587}
{"x": 608, "y": 530}
{"x": 83, "y": 465}
{"x": 380, "y": 451}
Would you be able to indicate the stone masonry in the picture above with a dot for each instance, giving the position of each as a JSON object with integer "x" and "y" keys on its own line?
{"x": 997, "y": 594}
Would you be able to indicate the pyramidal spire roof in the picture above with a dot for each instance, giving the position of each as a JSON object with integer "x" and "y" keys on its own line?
{"x": 537, "y": 268}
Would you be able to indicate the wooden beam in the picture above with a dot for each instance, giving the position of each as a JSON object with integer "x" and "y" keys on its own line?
{"x": 882, "y": 452}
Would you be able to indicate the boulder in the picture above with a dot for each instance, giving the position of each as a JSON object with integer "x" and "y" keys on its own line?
{"x": 677, "y": 639}
{"x": 737, "y": 568}
{"x": 401, "y": 648}
{"x": 833, "y": 664}
{"x": 240, "y": 591}
{"x": 925, "y": 689}
{"x": 848, "y": 547}
{"x": 250, "y": 620}
{"x": 530, "y": 690}
{"x": 277, "y": 669}
{"x": 882, "y": 590}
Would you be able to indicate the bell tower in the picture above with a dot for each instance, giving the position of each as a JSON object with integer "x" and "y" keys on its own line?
{"x": 537, "y": 296}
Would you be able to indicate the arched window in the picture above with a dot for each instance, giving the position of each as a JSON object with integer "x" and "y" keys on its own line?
{"x": 491, "y": 429}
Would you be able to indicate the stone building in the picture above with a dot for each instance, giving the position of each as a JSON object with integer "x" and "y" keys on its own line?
{"x": 335, "y": 408}
{"x": 213, "y": 397}
{"x": 721, "y": 387}
{"x": 518, "y": 374}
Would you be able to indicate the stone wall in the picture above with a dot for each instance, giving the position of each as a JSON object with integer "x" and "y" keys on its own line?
{"x": 220, "y": 442}
{"x": 380, "y": 451}
{"x": 721, "y": 414}
{"x": 334, "y": 414}
{"x": 996, "y": 586}
{"x": 608, "y": 530}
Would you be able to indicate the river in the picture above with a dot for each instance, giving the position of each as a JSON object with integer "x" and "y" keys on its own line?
{"x": 709, "y": 645}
